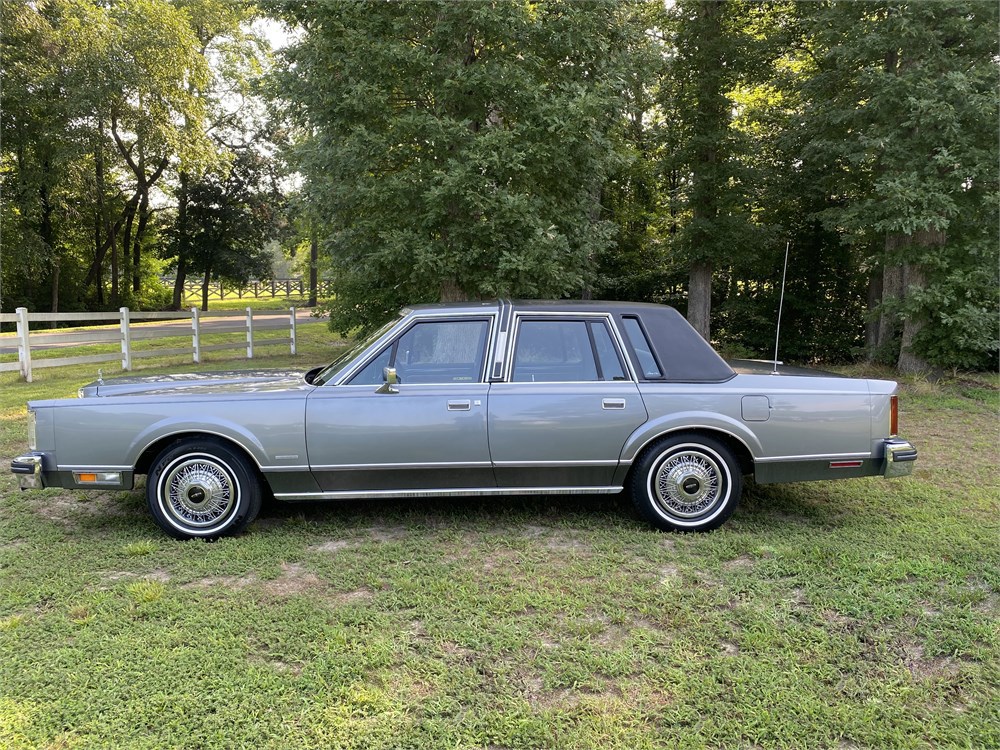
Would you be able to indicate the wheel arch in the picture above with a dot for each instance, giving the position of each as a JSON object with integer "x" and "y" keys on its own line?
{"x": 148, "y": 454}
{"x": 740, "y": 450}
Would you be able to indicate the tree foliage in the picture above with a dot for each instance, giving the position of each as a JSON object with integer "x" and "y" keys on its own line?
{"x": 459, "y": 148}
{"x": 664, "y": 152}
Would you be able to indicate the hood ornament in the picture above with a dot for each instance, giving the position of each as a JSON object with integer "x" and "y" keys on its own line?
{"x": 100, "y": 376}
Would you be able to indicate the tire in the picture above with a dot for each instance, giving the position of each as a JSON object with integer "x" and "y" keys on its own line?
{"x": 686, "y": 482}
{"x": 202, "y": 489}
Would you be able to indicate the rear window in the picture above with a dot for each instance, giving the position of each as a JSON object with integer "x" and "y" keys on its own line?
{"x": 643, "y": 351}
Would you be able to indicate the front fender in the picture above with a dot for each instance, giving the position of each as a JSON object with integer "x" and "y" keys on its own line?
{"x": 689, "y": 420}
{"x": 169, "y": 427}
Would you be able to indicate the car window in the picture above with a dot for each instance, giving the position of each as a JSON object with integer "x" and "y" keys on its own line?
{"x": 643, "y": 351}
{"x": 607, "y": 354}
{"x": 554, "y": 351}
{"x": 439, "y": 351}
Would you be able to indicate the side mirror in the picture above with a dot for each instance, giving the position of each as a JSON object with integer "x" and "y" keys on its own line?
{"x": 391, "y": 380}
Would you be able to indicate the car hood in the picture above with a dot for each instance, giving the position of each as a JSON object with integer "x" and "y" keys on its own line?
{"x": 197, "y": 383}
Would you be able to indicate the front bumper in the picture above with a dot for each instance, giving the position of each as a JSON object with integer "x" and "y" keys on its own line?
{"x": 900, "y": 456}
{"x": 29, "y": 471}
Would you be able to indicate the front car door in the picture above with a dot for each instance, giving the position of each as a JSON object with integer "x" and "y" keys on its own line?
{"x": 431, "y": 433}
{"x": 567, "y": 403}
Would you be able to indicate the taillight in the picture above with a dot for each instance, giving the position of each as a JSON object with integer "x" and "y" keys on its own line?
{"x": 893, "y": 416}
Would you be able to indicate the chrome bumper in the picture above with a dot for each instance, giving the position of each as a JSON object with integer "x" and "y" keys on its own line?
{"x": 29, "y": 471}
{"x": 900, "y": 456}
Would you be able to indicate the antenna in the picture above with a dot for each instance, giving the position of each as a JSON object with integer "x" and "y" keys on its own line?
{"x": 781, "y": 304}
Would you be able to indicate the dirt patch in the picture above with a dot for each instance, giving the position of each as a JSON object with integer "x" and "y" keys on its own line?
{"x": 279, "y": 666}
{"x": 334, "y": 545}
{"x": 562, "y": 542}
{"x": 388, "y": 533}
{"x": 669, "y": 574}
{"x": 729, "y": 649}
{"x": 922, "y": 667}
{"x": 115, "y": 576}
{"x": 294, "y": 579}
{"x": 223, "y": 582}
{"x": 739, "y": 563}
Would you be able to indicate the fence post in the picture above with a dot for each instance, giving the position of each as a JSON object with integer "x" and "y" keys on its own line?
{"x": 23, "y": 345}
{"x": 292, "y": 309}
{"x": 196, "y": 334}
{"x": 126, "y": 340}
{"x": 249, "y": 333}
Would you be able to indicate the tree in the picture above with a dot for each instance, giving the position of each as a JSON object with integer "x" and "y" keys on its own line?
{"x": 230, "y": 217}
{"x": 904, "y": 106}
{"x": 458, "y": 148}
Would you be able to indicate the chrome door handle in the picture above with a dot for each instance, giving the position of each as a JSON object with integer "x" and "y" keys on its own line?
{"x": 459, "y": 405}
{"x": 613, "y": 403}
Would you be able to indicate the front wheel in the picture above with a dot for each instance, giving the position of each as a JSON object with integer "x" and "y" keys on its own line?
{"x": 686, "y": 483}
{"x": 202, "y": 489}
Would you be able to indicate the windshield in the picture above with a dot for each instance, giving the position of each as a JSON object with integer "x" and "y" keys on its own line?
{"x": 329, "y": 372}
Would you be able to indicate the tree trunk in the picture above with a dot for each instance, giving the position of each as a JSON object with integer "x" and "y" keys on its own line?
{"x": 125, "y": 248}
{"x": 47, "y": 234}
{"x": 699, "y": 312}
{"x": 55, "y": 284}
{"x": 204, "y": 288}
{"x": 313, "y": 263}
{"x": 452, "y": 292}
{"x": 140, "y": 229}
{"x": 183, "y": 241}
{"x": 909, "y": 362}
{"x": 178, "y": 299}
{"x": 874, "y": 300}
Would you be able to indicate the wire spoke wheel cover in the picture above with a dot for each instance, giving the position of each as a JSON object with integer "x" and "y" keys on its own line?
{"x": 199, "y": 491}
{"x": 686, "y": 483}
{"x": 202, "y": 488}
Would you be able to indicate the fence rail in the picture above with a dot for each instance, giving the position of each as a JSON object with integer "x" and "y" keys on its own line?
{"x": 255, "y": 288}
{"x": 128, "y": 332}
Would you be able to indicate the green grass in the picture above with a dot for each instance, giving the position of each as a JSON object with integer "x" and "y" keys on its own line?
{"x": 860, "y": 613}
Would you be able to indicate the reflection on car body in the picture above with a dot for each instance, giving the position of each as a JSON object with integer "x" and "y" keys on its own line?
{"x": 485, "y": 398}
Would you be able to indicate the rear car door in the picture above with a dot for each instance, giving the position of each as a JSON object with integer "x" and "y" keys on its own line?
{"x": 567, "y": 403}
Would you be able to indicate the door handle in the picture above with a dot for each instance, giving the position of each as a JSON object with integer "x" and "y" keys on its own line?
{"x": 459, "y": 405}
{"x": 613, "y": 403}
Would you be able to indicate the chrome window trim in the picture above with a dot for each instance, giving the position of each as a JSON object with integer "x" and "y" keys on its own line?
{"x": 570, "y": 316}
{"x": 449, "y": 492}
{"x": 407, "y": 322}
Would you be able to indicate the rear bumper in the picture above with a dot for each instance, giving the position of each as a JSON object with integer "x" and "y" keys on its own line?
{"x": 29, "y": 471}
{"x": 900, "y": 456}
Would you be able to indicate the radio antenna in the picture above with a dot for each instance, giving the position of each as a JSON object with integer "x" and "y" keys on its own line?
{"x": 781, "y": 304}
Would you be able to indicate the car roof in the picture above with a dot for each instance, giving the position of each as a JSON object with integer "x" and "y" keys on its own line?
{"x": 681, "y": 353}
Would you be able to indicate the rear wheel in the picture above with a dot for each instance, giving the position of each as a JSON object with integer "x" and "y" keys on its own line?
{"x": 686, "y": 482}
{"x": 202, "y": 489}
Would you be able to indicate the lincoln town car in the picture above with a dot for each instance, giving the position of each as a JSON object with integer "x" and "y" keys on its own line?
{"x": 485, "y": 398}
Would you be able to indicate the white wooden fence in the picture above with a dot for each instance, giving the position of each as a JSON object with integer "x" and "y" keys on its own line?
{"x": 126, "y": 332}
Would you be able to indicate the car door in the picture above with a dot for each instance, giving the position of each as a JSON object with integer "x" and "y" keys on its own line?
{"x": 426, "y": 433}
{"x": 566, "y": 406}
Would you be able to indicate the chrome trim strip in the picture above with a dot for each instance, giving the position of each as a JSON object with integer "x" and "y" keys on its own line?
{"x": 85, "y": 469}
{"x": 814, "y": 457}
{"x": 276, "y": 468}
{"x": 542, "y": 464}
{"x": 441, "y": 465}
{"x": 466, "y": 492}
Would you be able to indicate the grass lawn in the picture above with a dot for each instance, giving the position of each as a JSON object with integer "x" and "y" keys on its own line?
{"x": 860, "y": 613}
